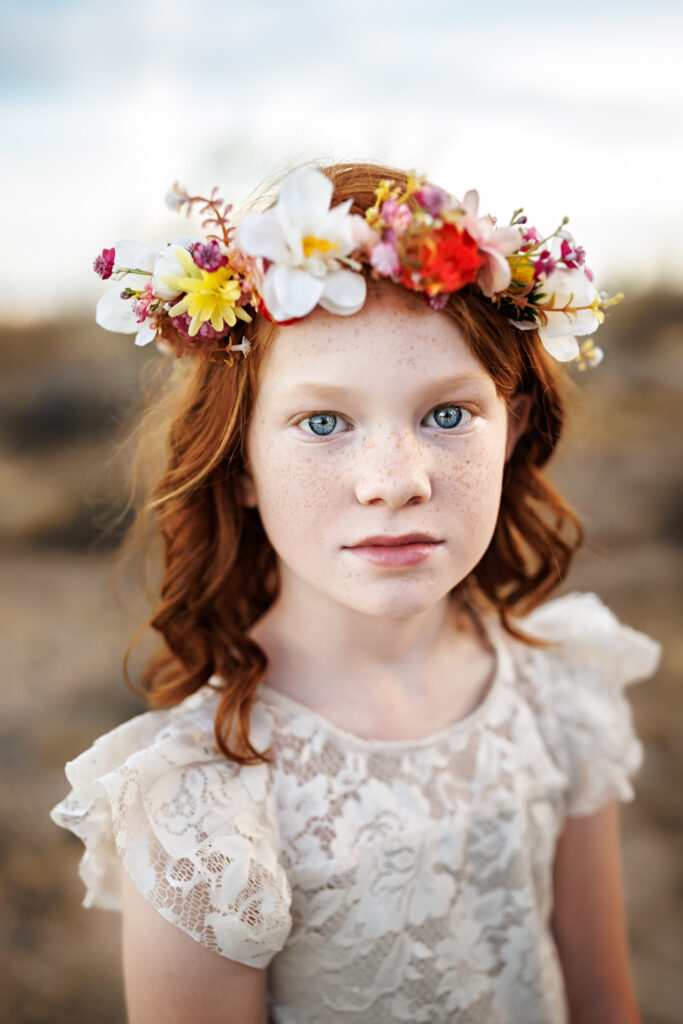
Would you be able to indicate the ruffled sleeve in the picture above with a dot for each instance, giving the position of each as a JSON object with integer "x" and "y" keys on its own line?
{"x": 578, "y": 691}
{"x": 197, "y": 834}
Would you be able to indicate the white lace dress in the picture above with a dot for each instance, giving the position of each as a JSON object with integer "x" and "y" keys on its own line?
{"x": 378, "y": 881}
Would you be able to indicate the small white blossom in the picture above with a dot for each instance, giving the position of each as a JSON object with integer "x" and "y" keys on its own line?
{"x": 175, "y": 197}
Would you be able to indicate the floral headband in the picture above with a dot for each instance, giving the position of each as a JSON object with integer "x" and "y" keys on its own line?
{"x": 188, "y": 295}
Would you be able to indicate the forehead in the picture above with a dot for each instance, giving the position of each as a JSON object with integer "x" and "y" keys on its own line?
{"x": 394, "y": 339}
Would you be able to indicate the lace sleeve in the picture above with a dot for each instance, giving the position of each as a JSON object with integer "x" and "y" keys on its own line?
{"x": 579, "y": 687}
{"x": 193, "y": 830}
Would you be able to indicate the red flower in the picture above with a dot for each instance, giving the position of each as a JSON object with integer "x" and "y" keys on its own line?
{"x": 447, "y": 261}
{"x": 103, "y": 264}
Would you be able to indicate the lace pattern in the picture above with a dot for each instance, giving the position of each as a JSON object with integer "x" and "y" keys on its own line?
{"x": 377, "y": 880}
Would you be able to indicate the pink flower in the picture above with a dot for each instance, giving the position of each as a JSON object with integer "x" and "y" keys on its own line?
{"x": 384, "y": 259}
{"x": 209, "y": 256}
{"x": 438, "y": 302}
{"x": 545, "y": 264}
{"x": 206, "y": 332}
{"x": 432, "y": 199}
{"x": 103, "y": 264}
{"x": 362, "y": 234}
{"x": 396, "y": 215}
{"x": 494, "y": 245}
{"x": 572, "y": 256}
{"x": 141, "y": 306}
{"x": 531, "y": 238}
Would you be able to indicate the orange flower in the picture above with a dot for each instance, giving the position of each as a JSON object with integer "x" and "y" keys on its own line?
{"x": 447, "y": 260}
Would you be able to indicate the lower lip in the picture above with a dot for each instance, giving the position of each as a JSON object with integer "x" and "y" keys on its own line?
{"x": 395, "y": 554}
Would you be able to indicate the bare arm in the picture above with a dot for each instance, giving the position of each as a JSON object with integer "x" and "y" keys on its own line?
{"x": 589, "y": 921}
{"x": 172, "y": 978}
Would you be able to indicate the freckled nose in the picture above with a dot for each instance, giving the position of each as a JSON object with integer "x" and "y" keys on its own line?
{"x": 395, "y": 469}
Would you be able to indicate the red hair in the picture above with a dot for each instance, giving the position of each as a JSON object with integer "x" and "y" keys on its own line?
{"x": 219, "y": 571}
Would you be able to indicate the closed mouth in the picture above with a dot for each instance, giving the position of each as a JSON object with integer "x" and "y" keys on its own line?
{"x": 404, "y": 541}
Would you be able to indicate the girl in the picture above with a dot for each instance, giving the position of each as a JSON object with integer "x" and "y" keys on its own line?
{"x": 380, "y": 775}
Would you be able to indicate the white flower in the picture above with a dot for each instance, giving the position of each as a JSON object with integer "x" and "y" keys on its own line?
{"x": 493, "y": 243}
{"x": 116, "y": 314}
{"x": 175, "y": 197}
{"x": 466, "y": 960}
{"x": 306, "y": 243}
{"x": 575, "y": 311}
{"x": 167, "y": 263}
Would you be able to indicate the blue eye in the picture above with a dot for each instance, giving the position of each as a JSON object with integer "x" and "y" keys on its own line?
{"x": 322, "y": 424}
{"x": 453, "y": 415}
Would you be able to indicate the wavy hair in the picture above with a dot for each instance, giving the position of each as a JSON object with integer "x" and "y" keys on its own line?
{"x": 219, "y": 573}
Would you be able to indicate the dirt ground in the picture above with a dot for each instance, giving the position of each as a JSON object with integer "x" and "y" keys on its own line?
{"x": 64, "y": 631}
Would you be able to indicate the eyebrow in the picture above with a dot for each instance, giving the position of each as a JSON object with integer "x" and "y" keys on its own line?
{"x": 337, "y": 390}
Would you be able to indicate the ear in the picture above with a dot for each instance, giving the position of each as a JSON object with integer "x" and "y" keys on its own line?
{"x": 519, "y": 410}
{"x": 247, "y": 489}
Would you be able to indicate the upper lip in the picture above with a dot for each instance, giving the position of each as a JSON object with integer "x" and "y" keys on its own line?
{"x": 384, "y": 540}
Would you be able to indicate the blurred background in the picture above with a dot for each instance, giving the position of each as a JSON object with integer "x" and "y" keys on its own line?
{"x": 565, "y": 110}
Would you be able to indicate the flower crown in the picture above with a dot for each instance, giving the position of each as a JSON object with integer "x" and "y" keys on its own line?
{"x": 301, "y": 253}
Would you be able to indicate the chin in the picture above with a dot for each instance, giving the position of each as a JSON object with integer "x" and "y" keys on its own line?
{"x": 397, "y": 605}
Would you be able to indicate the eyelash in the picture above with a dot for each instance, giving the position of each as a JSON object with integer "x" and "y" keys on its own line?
{"x": 329, "y": 412}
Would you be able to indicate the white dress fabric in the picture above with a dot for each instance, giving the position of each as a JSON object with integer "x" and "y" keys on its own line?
{"x": 377, "y": 880}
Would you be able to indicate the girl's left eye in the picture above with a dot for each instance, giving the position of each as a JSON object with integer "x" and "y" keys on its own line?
{"x": 447, "y": 416}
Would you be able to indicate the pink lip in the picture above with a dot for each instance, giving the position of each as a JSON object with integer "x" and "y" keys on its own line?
{"x": 395, "y": 555}
{"x": 384, "y": 540}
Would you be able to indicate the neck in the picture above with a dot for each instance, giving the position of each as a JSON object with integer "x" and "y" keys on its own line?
{"x": 308, "y": 643}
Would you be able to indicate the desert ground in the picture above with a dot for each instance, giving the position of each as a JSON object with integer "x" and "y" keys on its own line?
{"x": 69, "y": 393}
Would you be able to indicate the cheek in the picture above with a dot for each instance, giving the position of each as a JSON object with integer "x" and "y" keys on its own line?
{"x": 295, "y": 488}
{"x": 472, "y": 484}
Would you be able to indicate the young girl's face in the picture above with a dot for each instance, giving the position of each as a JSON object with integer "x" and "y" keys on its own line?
{"x": 379, "y": 423}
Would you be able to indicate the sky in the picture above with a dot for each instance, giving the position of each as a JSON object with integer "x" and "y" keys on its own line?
{"x": 563, "y": 109}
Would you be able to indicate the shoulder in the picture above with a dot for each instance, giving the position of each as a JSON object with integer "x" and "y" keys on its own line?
{"x": 576, "y": 690}
{"x": 196, "y": 832}
{"x": 590, "y": 649}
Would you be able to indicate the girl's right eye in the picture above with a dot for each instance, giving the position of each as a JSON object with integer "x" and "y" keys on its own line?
{"x": 323, "y": 423}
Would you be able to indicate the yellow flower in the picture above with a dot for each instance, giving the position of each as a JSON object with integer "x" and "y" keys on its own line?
{"x": 521, "y": 269}
{"x": 589, "y": 354}
{"x": 209, "y": 295}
